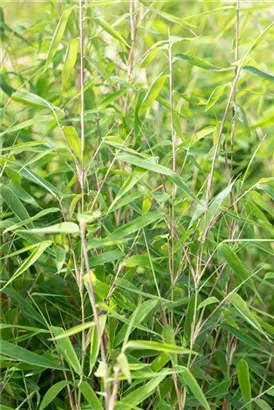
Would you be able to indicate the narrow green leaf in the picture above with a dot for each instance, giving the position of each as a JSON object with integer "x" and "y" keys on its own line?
{"x": 196, "y": 61}
{"x": 70, "y": 59}
{"x": 66, "y": 349}
{"x": 36, "y": 179}
{"x": 52, "y": 392}
{"x": 89, "y": 394}
{"x": 146, "y": 205}
{"x": 149, "y": 57}
{"x": 29, "y": 261}
{"x": 263, "y": 404}
{"x": 26, "y": 356}
{"x": 152, "y": 166}
{"x": 29, "y": 328}
{"x": 140, "y": 394}
{"x": 234, "y": 262}
{"x": 134, "y": 226}
{"x": 267, "y": 185}
{"x": 63, "y": 227}
{"x": 88, "y": 217}
{"x": 160, "y": 361}
{"x": 139, "y": 316}
{"x": 110, "y": 30}
{"x": 204, "y": 132}
{"x": 73, "y": 330}
{"x": 110, "y": 98}
{"x": 189, "y": 320}
{"x": 33, "y": 100}
{"x": 189, "y": 380}
{"x": 157, "y": 346}
{"x": 106, "y": 257}
{"x": 123, "y": 363}
{"x": 244, "y": 311}
{"x": 73, "y": 204}
{"x": 25, "y": 304}
{"x": 131, "y": 181}
{"x": 168, "y": 336}
{"x": 95, "y": 342}
{"x": 57, "y": 37}
{"x": 247, "y": 340}
{"x": 28, "y": 123}
{"x": 219, "y": 390}
{"x": 244, "y": 381}
{"x": 261, "y": 202}
{"x": 144, "y": 262}
{"x": 260, "y": 73}
{"x": 60, "y": 253}
{"x": 208, "y": 301}
{"x": 216, "y": 204}
{"x": 14, "y": 202}
{"x": 215, "y": 96}
{"x": 73, "y": 140}
{"x": 152, "y": 93}
{"x": 22, "y": 194}
{"x": 31, "y": 219}
{"x": 126, "y": 230}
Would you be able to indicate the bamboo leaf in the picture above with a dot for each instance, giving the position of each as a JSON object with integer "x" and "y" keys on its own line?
{"x": 36, "y": 179}
{"x": 74, "y": 141}
{"x": 208, "y": 301}
{"x": 63, "y": 227}
{"x": 66, "y": 349}
{"x": 58, "y": 35}
{"x": 140, "y": 394}
{"x": 29, "y": 261}
{"x": 52, "y": 393}
{"x": 215, "y": 96}
{"x": 126, "y": 230}
{"x": 106, "y": 257}
{"x": 123, "y": 363}
{"x": 26, "y": 356}
{"x": 73, "y": 331}
{"x": 152, "y": 93}
{"x": 14, "y": 203}
{"x": 110, "y": 30}
{"x": 244, "y": 311}
{"x": 70, "y": 59}
{"x": 244, "y": 381}
{"x": 235, "y": 263}
{"x": 31, "y": 219}
{"x": 139, "y": 316}
{"x": 159, "y": 347}
{"x": 260, "y": 73}
{"x": 189, "y": 380}
{"x": 89, "y": 394}
{"x": 263, "y": 404}
{"x": 196, "y": 61}
{"x": 33, "y": 100}
{"x": 95, "y": 342}
{"x": 152, "y": 166}
{"x": 28, "y": 123}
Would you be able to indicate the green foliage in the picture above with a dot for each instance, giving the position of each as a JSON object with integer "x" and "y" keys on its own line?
{"x": 137, "y": 205}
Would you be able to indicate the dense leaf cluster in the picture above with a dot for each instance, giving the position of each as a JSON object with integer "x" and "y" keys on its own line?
{"x": 137, "y": 205}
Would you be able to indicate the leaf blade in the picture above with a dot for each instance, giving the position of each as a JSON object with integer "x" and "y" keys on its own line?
{"x": 52, "y": 392}
{"x": 57, "y": 36}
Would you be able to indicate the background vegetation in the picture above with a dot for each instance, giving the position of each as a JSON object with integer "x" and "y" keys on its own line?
{"x": 137, "y": 205}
